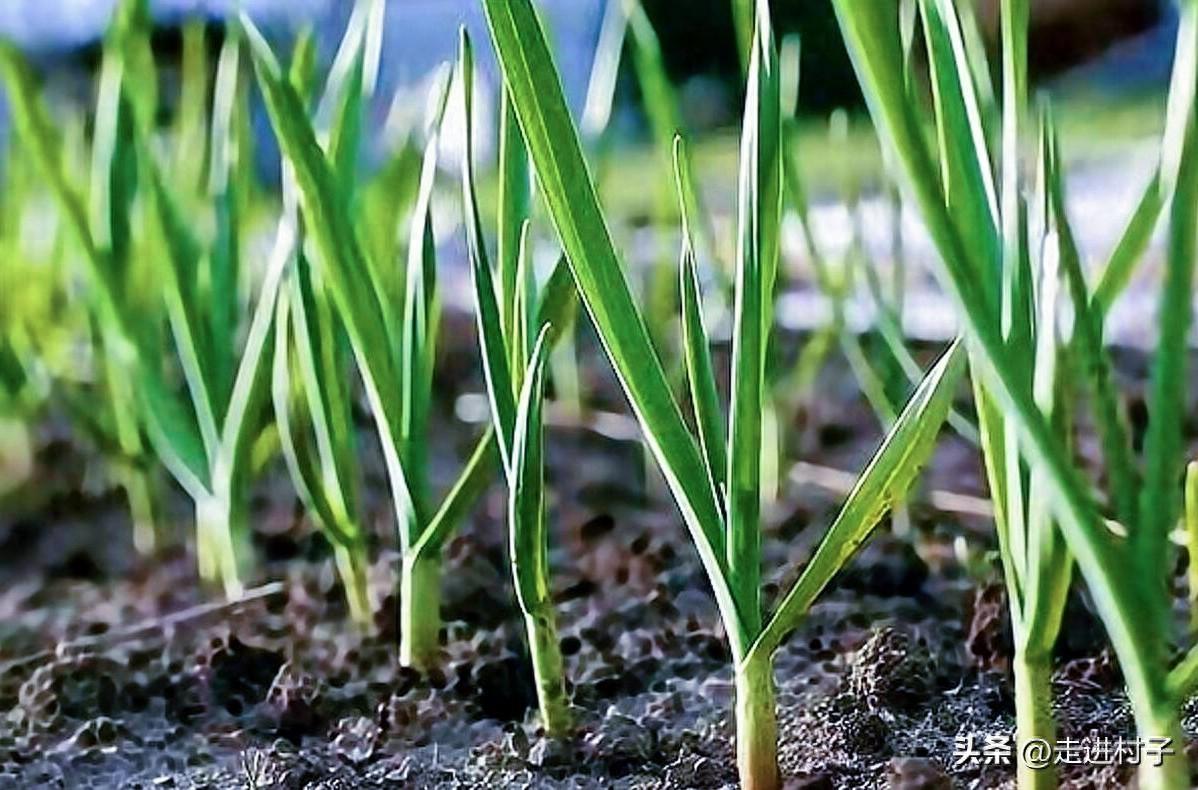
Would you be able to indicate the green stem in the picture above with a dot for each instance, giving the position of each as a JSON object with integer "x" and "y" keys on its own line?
{"x": 205, "y": 550}
{"x": 140, "y": 494}
{"x": 1156, "y": 706}
{"x": 1161, "y": 720}
{"x": 353, "y": 567}
{"x": 757, "y": 725}
{"x": 420, "y": 611}
{"x": 16, "y": 455}
{"x": 1033, "y": 716}
{"x": 1191, "y": 520}
{"x": 548, "y": 672}
{"x": 220, "y": 543}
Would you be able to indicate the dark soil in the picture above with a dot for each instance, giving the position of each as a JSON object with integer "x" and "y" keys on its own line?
{"x": 121, "y": 672}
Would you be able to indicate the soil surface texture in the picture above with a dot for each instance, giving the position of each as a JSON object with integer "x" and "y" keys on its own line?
{"x": 121, "y": 671}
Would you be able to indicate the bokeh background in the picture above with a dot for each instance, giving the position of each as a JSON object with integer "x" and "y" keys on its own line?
{"x": 1118, "y": 47}
{"x": 1103, "y": 63}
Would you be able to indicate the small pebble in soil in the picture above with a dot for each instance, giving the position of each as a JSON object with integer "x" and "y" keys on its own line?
{"x": 355, "y": 739}
{"x": 891, "y": 673}
{"x": 916, "y": 773}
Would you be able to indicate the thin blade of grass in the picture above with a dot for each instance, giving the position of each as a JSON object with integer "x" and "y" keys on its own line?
{"x": 694, "y": 212}
{"x": 1016, "y": 296}
{"x": 968, "y": 178}
{"x": 183, "y": 253}
{"x": 417, "y": 349}
{"x": 1163, "y": 447}
{"x": 790, "y": 71}
{"x": 658, "y": 97}
{"x": 1016, "y": 269}
{"x": 500, "y": 385}
{"x": 1049, "y": 565}
{"x": 345, "y": 136}
{"x": 348, "y": 59}
{"x": 529, "y": 536}
{"x": 1132, "y": 245}
{"x": 759, "y": 218}
{"x": 501, "y": 389}
{"x": 129, "y": 38}
{"x": 979, "y": 67}
{"x": 556, "y": 311}
{"x": 1111, "y": 417}
{"x": 192, "y": 117}
{"x": 301, "y": 67}
{"x": 349, "y": 90}
{"x": 321, "y": 379}
{"x": 514, "y": 210}
{"x": 114, "y": 168}
{"x": 1183, "y": 86}
{"x": 250, "y": 382}
{"x": 175, "y": 437}
{"x": 114, "y": 188}
{"x": 223, "y": 302}
{"x": 705, "y": 402}
{"x": 605, "y": 72}
{"x": 660, "y": 103}
{"x": 296, "y": 423}
{"x": 331, "y": 369}
{"x": 523, "y": 306}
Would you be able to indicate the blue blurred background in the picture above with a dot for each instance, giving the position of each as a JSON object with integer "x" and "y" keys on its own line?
{"x": 1111, "y": 45}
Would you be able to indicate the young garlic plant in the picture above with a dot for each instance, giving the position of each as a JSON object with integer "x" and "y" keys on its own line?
{"x": 127, "y": 69}
{"x": 317, "y": 430}
{"x": 202, "y": 438}
{"x": 514, "y": 352}
{"x": 376, "y": 337}
{"x": 99, "y": 212}
{"x": 312, "y": 356}
{"x": 720, "y": 503}
{"x": 393, "y": 350}
{"x": 978, "y": 220}
{"x": 205, "y": 437}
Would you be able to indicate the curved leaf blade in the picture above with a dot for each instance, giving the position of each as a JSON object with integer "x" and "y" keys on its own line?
{"x": 887, "y": 478}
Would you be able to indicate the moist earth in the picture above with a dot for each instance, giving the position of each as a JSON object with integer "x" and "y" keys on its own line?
{"x": 120, "y": 671}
